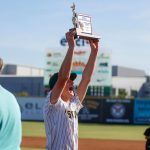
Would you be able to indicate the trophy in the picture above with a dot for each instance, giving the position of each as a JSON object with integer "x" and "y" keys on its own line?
{"x": 82, "y": 25}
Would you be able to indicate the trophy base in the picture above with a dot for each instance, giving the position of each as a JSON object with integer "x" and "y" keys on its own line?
{"x": 86, "y": 36}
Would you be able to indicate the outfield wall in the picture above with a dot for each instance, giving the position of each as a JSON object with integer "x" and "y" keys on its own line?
{"x": 109, "y": 111}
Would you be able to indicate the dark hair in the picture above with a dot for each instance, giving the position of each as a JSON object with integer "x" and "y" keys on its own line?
{"x": 54, "y": 79}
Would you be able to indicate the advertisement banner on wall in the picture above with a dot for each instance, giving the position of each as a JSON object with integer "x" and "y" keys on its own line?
{"x": 92, "y": 110}
{"x": 118, "y": 111}
{"x": 102, "y": 73}
{"x": 31, "y": 108}
{"x": 142, "y": 111}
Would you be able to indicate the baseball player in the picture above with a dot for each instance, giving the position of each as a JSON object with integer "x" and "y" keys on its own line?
{"x": 10, "y": 120}
{"x": 64, "y": 102}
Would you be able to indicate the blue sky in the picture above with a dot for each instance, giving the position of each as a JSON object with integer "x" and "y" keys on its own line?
{"x": 29, "y": 27}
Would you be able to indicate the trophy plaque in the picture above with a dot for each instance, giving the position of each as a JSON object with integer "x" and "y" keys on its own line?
{"x": 82, "y": 25}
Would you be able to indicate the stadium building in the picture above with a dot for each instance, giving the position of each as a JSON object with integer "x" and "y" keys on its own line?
{"x": 22, "y": 80}
{"x": 29, "y": 81}
{"x": 135, "y": 82}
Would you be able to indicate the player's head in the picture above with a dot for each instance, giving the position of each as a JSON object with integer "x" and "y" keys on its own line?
{"x": 1, "y": 64}
{"x": 54, "y": 78}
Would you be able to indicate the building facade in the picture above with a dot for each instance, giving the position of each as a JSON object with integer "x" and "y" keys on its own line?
{"x": 130, "y": 80}
{"x": 29, "y": 81}
{"x": 23, "y": 80}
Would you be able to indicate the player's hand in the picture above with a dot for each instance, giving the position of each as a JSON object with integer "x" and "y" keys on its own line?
{"x": 70, "y": 38}
{"x": 94, "y": 44}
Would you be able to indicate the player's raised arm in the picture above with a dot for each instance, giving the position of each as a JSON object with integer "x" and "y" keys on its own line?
{"x": 88, "y": 71}
{"x": 64, "y": 72}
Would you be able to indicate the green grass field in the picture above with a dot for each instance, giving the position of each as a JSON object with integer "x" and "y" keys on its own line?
{"x": 94, "y": 131}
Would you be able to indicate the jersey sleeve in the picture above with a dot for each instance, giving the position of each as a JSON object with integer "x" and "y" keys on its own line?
{"x": 78, "y": 102}
{"x": 49, "y": 104}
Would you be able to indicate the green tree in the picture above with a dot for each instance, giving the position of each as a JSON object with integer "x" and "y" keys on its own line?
{"x": 122, "y": 93}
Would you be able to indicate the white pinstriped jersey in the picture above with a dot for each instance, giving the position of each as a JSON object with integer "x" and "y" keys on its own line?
{"x": 61, "y": 123}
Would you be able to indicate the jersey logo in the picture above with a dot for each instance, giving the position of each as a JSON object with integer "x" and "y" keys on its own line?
{"x": 71, "y": 114}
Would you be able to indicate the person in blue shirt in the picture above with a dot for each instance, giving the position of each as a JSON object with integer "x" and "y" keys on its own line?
{"x": 10, "y": 120}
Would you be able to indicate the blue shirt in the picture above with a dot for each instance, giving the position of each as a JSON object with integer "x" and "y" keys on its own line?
{"x": 10, "y": 121}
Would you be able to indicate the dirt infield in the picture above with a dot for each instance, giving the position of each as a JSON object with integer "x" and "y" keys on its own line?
{"x": 89, "y": 144}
